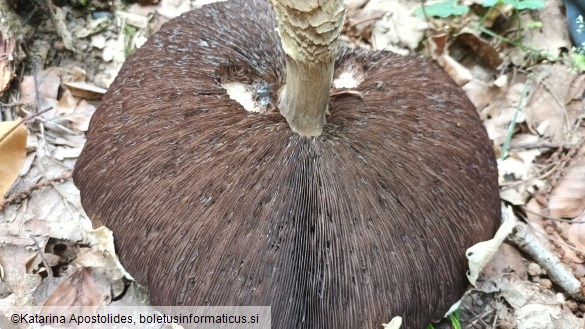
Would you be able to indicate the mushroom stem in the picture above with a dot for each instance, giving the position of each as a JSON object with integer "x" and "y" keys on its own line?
{"x": 308, "y": 30}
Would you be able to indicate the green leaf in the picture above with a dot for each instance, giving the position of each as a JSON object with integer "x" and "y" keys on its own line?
{"x": 454, "y": 317}
{"x": 443, "y": 9}
{"x": 518, "y": 4}
{"x": 526, "y": 4}
{"x": 578, "y": 62}
{"x": 534, "y": 25}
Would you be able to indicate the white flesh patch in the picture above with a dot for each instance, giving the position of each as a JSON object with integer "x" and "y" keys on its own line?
{"x": 238, "y": 92}
{"x": 350, "y": 79}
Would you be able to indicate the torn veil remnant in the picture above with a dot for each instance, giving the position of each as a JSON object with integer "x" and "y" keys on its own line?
{"x": 343, "y": 223}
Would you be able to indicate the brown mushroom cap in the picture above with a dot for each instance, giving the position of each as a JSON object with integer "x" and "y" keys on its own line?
{"x": 214, "y": 205}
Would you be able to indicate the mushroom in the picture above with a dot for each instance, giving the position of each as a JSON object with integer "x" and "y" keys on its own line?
{"x": 340, "y": 187}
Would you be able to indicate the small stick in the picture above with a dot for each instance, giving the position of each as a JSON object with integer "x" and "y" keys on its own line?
{"x": 43, "y": 259}
{"x": 28, "y": 118}
{"x": 58, "y": 18}
{"x": 558, "y": 272}
{"x": 19, "y": 196}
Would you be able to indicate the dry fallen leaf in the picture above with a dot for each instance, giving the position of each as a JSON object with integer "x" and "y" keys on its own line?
{"x": 552, "y": 37}
{"x": 48, "y": 82}
{"x": 102, "y": 255}
{"x": 401, "y": 31}
{"x": 6, "y": 67}
{"x": 85, "y": 287}
{"x": 103, "y": 239}
{"x": 174, "y": 8}
{"x": 564, "y": 238}
{"x": 439, "y": 52}
{"x": 85, "y": 90}
{"x": 15, "y": 255}
{"x": 12, "y": 153}
{"x": 507, "y": 259}
{"x": 83, "y": 113}
{"x": 565, "y": 231}
{"x": 481, "y": 93}
{"x": 500, "y": 112}
{"x": 567, "y": 199}
{"x": 458, "y": 72}
{"x": 551, "y": 110}
{"x": 482, "y": 49}
{"x": 533, "y": 305}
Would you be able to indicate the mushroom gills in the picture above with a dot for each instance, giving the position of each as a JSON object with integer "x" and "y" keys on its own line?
{"x": 211, "y": 204}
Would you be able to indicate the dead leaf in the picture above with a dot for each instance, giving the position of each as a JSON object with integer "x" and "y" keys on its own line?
{"x": 136, "y": 20}
{"x": 174, "y": 8}
{"x": 84, "y": 287}
{"x": 458, "y": 72}
{"x": 551, "y": 105}
{"x": 533, "y": 305}
{"x": 85, "y": 90}
{"x": 48, "y": 84}
{"x": 399, "y": 31}
{"x": 66, "y": 104}
{"x": 6, "y": 66}
{"x": 53, "y": 211}
{"x": 481, "y": 49}
{"x": 500, "y": 112}
{"x": 82, "y": 116}
{"x": 105, "y": 254}
{"x": 439, "y": 51}
{"x": 12, "y": 153}
{"x": 481, "y": 93}
{"x": 73, "y": 74}
{"x": 77, "y": 112}
{"x": 567, "y": 200}
{"x": 95, "y": 26}
{"x": 551, "y": 38}
{"x": 518, "y": 176}
{"x": 98, "y": 41}
{"x": 506, "y": 260}
{"x": 564, "y": 238}
{"x": 67, "y": 153}
{"x": 16, "y": 255}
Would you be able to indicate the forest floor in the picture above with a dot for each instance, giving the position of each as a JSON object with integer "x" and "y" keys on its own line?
{"x": 513, "y": 58}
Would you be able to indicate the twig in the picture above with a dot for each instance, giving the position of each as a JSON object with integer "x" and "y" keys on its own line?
{"x": 37, "y": 93}
{"x": 19, "y": 196}
{"x": 560, "y": 105}
{"x": 476, "y": 317}
{"x": 43, "y": 259}
{"x": 569, "y": 221}
{"x": 562, "y": 243}
{"x": 539, "y": 175}
{"x": 367, "y": 20}
{"x": 512, "y": 125}
{"x": 59, "y": 20}
{"x": 531, "y": 146}
{"x": 28, "y": 118}
{"x": 562, "y": 276}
